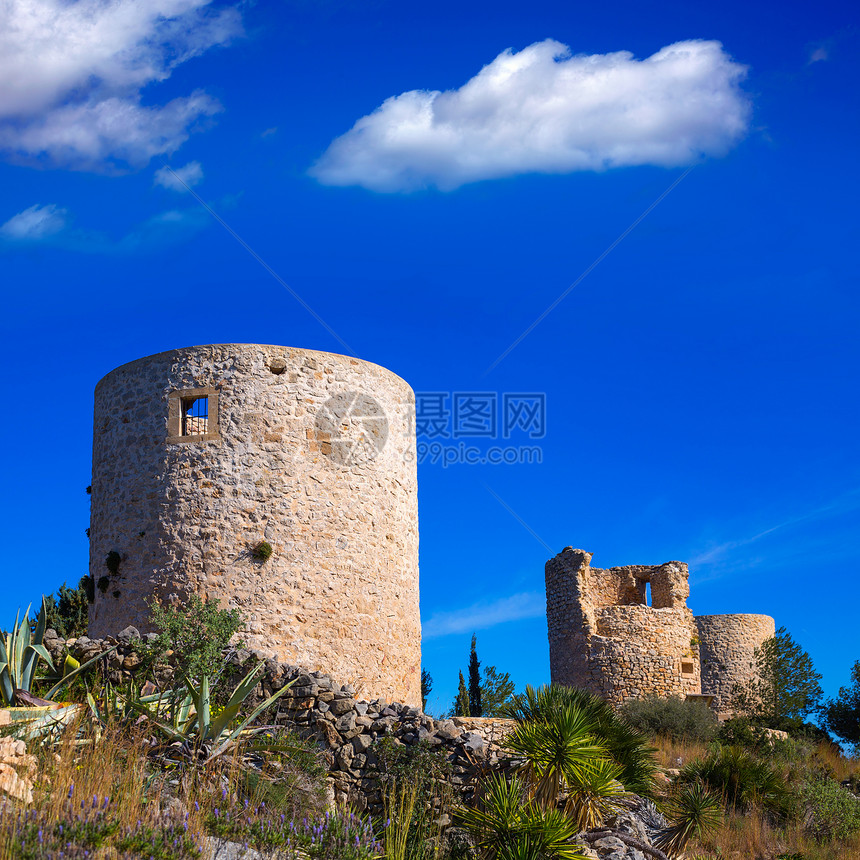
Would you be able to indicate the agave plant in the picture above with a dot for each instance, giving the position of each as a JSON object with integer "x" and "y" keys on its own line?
{"x": 20, "y": 650}
{"x": 506, "y": 825}
{"x": 186, "y": 716}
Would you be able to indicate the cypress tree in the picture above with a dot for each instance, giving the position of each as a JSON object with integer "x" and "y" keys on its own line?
{"x": 461, "y": 703}
{"x": 475, "y": 709}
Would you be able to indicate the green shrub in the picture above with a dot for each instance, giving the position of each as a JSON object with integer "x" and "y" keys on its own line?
{"x": 112, "y": 561}
{"x": 262, "y": 551}
{"x": 832, "y": 812}
{"x": 197, "y": 632}
{"x": 671, "y": 717}
{"x": 742, "y": 779}
{"x": 67, "y": 610}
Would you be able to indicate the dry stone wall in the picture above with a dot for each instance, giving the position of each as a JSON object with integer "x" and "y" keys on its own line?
{"x": 321, "y": 709}
{"x": 727, "y": 644}
{"x": 310, "y": 452}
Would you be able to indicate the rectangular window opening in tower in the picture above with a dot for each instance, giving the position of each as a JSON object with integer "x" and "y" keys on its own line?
{"x": 195, "y": 416}
{"x": 192, "y": 415}
{"x": 688, "y": 668}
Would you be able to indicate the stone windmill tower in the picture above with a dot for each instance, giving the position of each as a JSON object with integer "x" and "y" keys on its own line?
{"x": 204, "y": 456}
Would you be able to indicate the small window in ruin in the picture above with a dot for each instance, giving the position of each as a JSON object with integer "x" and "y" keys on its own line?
{"x": 687, "y": 668}
{"x": 195, "y": 416}
{"x": 647, "y": 593}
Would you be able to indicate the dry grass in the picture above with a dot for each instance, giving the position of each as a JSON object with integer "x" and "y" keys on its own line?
{"x": 112, "y": 766}
{"x": 751, "y": 837}
{"x": 81, "y": 774}
{"x": 676, "y": 753}
{"x": 829, "y": 756}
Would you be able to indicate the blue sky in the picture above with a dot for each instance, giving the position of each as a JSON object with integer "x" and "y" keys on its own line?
{"x": 700, "y": 380}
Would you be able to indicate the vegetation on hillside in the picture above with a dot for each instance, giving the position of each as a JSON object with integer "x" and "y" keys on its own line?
{"x": 127, "y": 771}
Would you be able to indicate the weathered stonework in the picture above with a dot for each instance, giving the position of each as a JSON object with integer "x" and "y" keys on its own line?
{"x": 727, "y": 644}
{"x": 311, "y": 452}
{"x": 605, "y": 637}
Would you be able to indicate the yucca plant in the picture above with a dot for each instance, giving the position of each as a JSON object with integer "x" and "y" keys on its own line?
{"x": 189, "y": 718}
{"x": 559, "y": 754}
{"x": 627, "y": 746}
{"x": 694, "y": 811}
{"x": 506, "y": 825}
{"x": 741, "y": 779}
{"x": 599, "y": 794}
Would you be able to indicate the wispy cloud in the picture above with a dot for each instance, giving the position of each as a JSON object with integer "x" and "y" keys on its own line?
{"x": 35, "y": 223}
{"x": 180, "y": 178}
{"x": 480, "y": 616}
{"x": 544, "y": 110}
{"x": 718, "y": 557}
{"x": 50, "y": 226}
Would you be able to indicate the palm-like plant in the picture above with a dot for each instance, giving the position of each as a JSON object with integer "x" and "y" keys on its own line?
{"x": 624, "y": 744}
{"x": 694, "y": 812}
{"x": 598, "y": 795}
{"x": 741, "y": 779}
{"x": 507, "y": 825}
{"x": 559, "y": 754}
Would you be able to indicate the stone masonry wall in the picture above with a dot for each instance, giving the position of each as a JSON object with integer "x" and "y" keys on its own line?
{"x": 605, "y": 638}
{"x": 727, "y": 643}
{"x": 641, "y": 651}
{"x": 333, "y": 714}
{"x": 313, "y": 453}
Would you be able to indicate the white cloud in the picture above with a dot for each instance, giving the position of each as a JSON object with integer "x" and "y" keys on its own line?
{"x": 71, "y": 76}
{"x": 819, "y": 55}
{"x": 544, "y": 110}
{"x": 180, "y": 179}
{"x": 37, "y": 222}
{"x": 480, "y": 616}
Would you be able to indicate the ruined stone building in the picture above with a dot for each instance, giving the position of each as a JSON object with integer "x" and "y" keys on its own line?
{"x": 207, "y": 458}
{"x": 627, "y": 632}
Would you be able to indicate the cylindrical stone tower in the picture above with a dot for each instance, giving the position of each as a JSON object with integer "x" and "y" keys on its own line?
{"x": 726, "y": 645}
{"x": 203, "y": 456}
